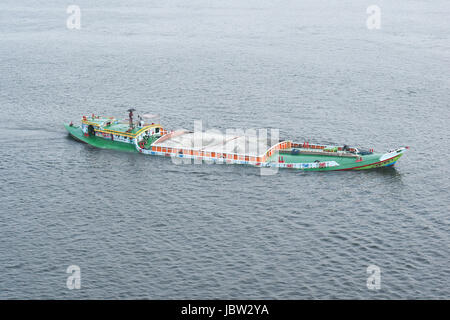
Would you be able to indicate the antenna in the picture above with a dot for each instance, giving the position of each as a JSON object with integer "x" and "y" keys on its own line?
{"x": 130, "y": 115}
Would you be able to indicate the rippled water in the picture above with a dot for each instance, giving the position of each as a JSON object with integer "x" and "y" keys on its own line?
{"x": 142, "y": 227}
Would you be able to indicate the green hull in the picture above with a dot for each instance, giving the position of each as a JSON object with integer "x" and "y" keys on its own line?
{"x": 364, "y": 162}
{"x": 76, "y": 133}
{"x": 371, "y": 161}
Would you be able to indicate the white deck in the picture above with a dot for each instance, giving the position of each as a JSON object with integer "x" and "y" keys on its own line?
{"x": 248, "y": 144}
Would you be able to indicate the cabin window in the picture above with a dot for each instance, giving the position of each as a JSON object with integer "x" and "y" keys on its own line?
{"x": 157, "y": 130}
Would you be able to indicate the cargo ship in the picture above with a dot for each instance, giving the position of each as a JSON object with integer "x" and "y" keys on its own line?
{"x": 144, "y": 134}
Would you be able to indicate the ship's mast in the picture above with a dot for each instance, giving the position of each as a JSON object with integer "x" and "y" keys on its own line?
{"x": 130, "y": 115}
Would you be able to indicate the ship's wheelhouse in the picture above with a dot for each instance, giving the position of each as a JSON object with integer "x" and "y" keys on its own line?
{"x": 127, "y": 131}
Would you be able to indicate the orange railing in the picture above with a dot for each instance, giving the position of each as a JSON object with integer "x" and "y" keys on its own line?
{"x": 210, "y": 155}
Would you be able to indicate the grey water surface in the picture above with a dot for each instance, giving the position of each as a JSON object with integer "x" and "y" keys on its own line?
{"x": 142, "y": 227}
